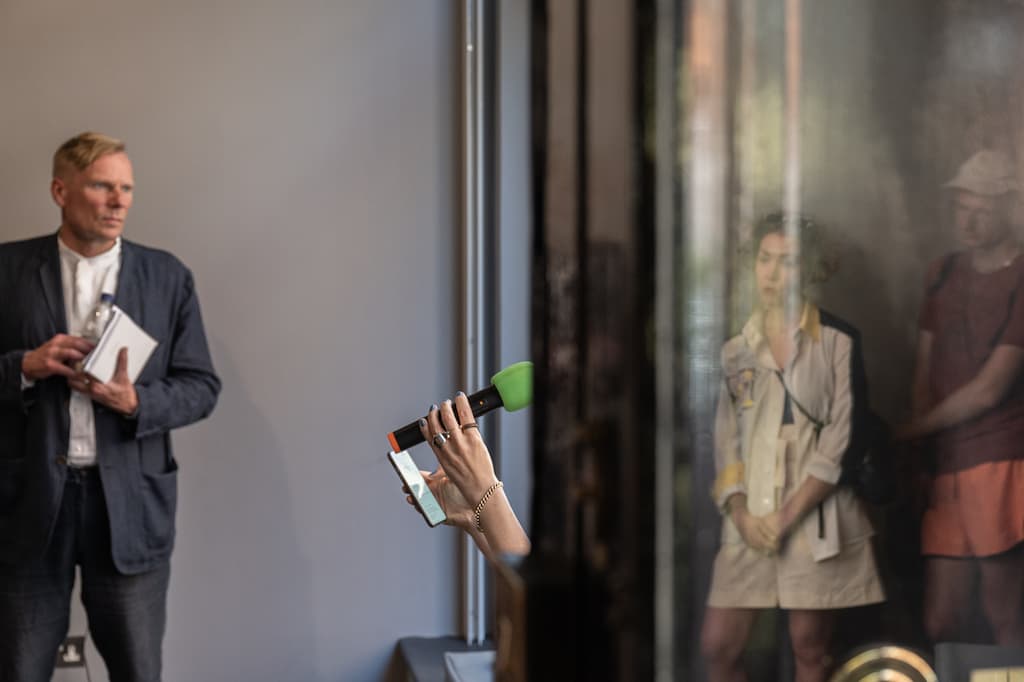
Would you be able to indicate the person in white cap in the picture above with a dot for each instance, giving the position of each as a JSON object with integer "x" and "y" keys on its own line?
{"x": 968, "y": 396}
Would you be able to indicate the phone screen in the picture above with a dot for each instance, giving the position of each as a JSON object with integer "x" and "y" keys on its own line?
{"x": 421, "y": 495}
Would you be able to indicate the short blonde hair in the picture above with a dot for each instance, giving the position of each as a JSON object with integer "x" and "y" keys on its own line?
{"x": 82, "y": 150}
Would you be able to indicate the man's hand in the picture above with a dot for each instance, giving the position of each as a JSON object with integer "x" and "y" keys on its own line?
{"x": 118, "y": 394}
{"x": 58, "y": 356}
{"x": 908, "y": 431}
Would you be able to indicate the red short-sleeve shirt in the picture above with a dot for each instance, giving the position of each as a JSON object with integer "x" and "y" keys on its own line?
{"x": 969, "y": 314}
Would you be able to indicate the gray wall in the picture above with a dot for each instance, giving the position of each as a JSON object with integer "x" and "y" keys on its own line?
{"x": 514, "y": 220}
{"x": 299, "y": 158}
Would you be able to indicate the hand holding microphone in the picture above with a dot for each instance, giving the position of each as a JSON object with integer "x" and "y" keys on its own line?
{"x": 485, "y": 512}
{"x": 465, "y": 488}
{"x": 462, "y": 454}
{"x": 511, "y": 388}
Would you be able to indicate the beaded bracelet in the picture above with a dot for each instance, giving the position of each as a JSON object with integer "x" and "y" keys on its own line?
{"x": 483, "y": 501}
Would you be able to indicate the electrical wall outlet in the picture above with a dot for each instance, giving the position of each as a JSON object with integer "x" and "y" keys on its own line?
{"x": 71, "y": 653}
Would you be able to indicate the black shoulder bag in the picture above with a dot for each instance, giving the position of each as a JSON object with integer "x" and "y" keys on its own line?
{"x": 866, "y": 465}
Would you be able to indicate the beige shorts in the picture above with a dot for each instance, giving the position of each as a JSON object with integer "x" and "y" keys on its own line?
{"x": 745, "y": 578}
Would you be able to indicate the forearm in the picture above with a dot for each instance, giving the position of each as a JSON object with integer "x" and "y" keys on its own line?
{"x": 920, "y": 399}
{"x": 501, "y": 528}
{"x": 967, "y": 402}
{"x": 979, "y": 395}
{"x": 806, "y": 497}
{"x": 920, "y": 393}
{"x": 481, "y": 542}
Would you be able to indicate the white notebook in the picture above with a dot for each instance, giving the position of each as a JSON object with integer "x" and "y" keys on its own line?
{"x": 121, "y": 332}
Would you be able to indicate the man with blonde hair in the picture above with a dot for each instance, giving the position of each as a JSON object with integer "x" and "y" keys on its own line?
{"x": 80, "y": 151}
{"x": 87, "y": 477}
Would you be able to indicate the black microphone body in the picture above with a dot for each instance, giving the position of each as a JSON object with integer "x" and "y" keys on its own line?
{"x": 482, "y": 402}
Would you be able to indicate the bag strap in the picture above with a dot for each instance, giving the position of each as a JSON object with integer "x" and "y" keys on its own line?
{"x": 818, "y": 425}
{"x": 1009, "y": 314}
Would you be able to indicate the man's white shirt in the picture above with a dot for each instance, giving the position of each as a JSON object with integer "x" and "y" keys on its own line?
{"x": 83, "y": 280}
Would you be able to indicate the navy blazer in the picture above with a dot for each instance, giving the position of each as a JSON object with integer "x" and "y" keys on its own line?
{"x": 177, "y": 386}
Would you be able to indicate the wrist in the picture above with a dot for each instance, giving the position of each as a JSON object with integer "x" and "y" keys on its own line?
{"x": 738, "y": 514}
{"x": 487, "y": 496}
{"x": 462, "y": 521}
{"x": 131, "y": 407}
{"x": 26, "y": 370}
{"x": 737, "y": 504}
{"x": 788, "y": 516}
{"x": 476, "y": 488}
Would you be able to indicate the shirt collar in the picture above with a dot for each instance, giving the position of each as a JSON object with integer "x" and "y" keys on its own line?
{"x": 73, "y": 257}
{"x": 810, "y": 321}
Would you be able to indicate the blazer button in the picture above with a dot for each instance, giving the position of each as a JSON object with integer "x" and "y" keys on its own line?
{"x": 62, "y": 460}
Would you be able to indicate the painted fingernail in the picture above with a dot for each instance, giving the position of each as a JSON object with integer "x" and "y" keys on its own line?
{"x": 423, "y": 422}
{"x": 433, "y": 407}
{"x": 460, "y": 393}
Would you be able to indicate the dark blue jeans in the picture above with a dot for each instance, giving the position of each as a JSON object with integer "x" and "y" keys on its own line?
{"x": 126, "y": 613}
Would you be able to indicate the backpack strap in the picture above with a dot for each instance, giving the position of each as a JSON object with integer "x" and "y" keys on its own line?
{"x": 1009, "y": 314}
{"x": 944, "y": 271}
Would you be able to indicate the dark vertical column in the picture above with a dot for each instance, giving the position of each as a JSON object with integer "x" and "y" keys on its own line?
{"x": 586, "y": 591}
{"x": 538, "y": 625}
{"x": 617, "y": 452}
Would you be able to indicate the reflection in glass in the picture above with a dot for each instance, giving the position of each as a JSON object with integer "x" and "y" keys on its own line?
{"x": 793, "y": 387}
{"x": 900, "y": 128}
{"x": 968, "y": 410}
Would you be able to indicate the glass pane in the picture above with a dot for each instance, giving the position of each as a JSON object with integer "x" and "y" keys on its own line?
{"x": 849, "y": 300}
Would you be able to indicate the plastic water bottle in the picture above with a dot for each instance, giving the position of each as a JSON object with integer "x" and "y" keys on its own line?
{"x": 98, "y": 319}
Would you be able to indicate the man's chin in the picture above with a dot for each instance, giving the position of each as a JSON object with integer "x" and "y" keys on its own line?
{"x": 109, "y": 232}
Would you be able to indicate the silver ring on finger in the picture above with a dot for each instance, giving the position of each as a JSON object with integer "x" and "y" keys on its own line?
{"x": 440, "y": 439}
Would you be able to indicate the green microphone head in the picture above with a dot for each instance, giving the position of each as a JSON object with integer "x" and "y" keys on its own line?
{"x": 515, "y": 385}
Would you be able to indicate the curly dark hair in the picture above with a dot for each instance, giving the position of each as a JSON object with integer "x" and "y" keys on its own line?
{"x": 817, "y": 260}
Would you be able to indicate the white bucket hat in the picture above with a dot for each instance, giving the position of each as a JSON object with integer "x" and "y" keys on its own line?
{"x": 988, "y": 173}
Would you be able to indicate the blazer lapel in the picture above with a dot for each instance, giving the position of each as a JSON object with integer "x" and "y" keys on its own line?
{"x": 127, "y": 296}
{"x": 49, "y": 278}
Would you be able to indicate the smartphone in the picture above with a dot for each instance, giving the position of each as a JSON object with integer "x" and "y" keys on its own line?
{"x": 424, "y": 500}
